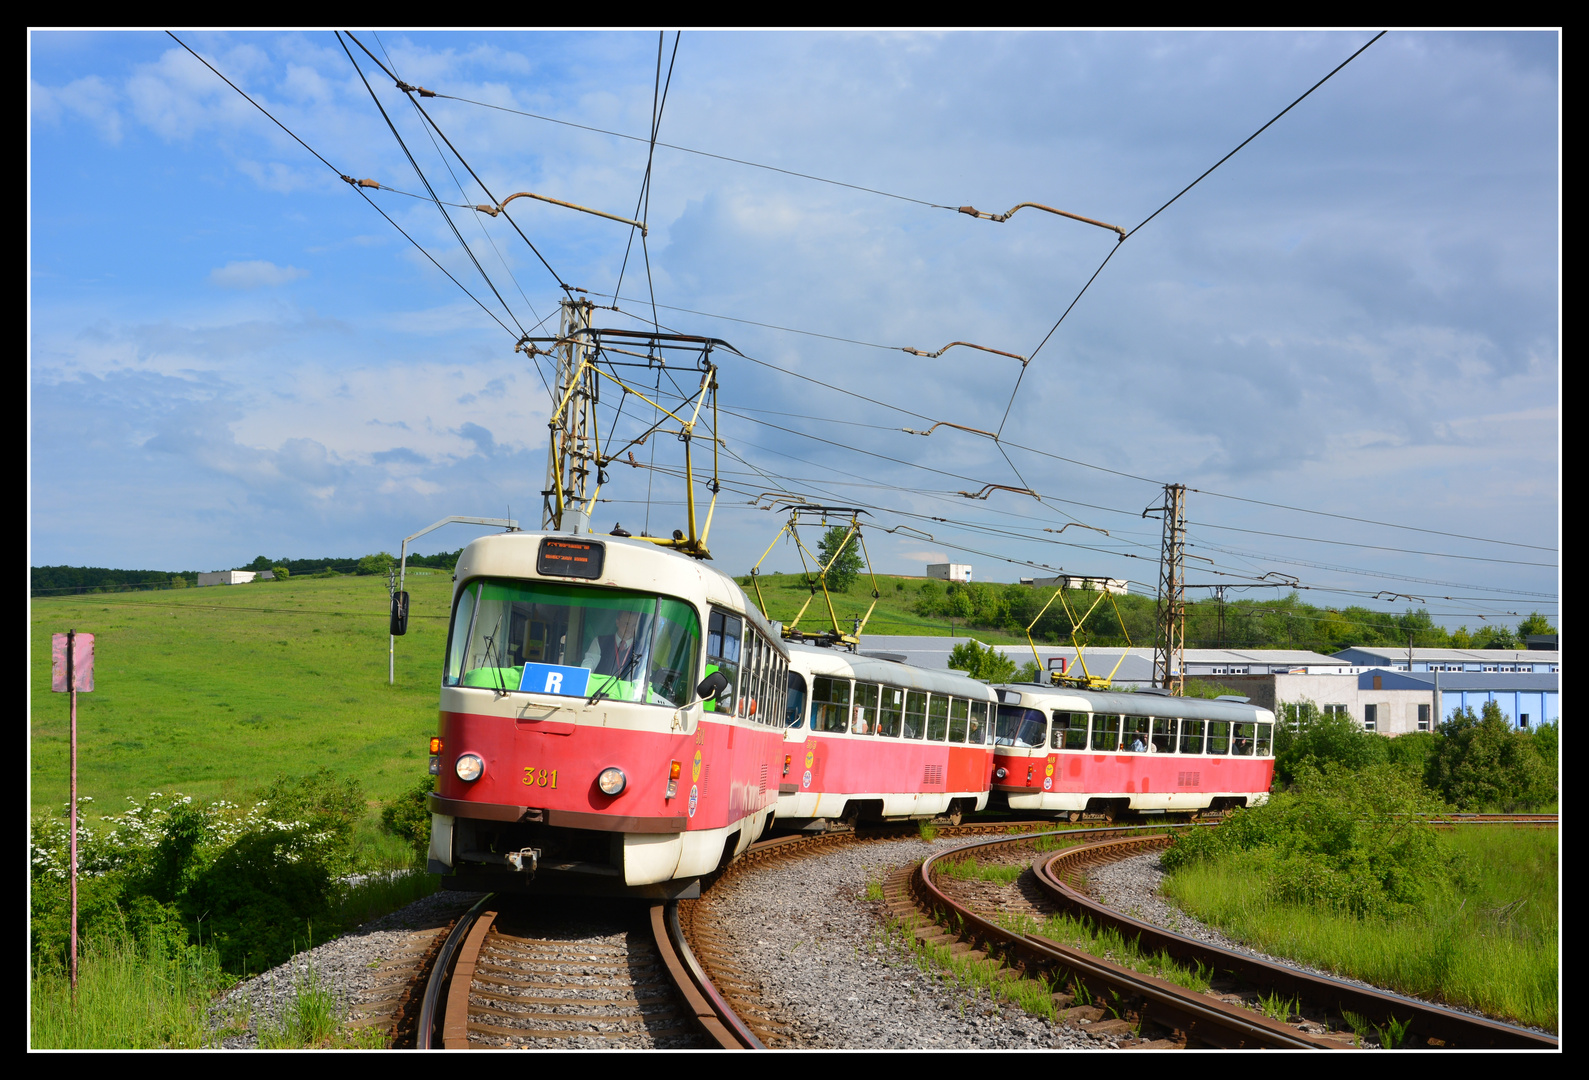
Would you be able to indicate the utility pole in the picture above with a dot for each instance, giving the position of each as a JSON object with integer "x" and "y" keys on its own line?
{"x": 570, "y": 448}
{"x": 1169, "y": 634}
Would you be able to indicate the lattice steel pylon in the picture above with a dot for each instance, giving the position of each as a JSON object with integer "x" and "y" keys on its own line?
{"x": 1169, "y": 633}
{"x": 570, "y": 449}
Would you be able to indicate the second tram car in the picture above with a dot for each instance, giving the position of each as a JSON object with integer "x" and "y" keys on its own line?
{"x": 1077, "y": 751}
{"x": 611, "y": 719}
{"x": 872, "y": 739}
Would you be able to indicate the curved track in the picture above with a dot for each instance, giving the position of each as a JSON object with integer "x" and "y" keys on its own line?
{"x": 1194, "y": 1018}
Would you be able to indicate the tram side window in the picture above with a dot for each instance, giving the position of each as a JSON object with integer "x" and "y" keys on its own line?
{"x": 1163, "y": 736}
{"x": 915, "y": 714}
{"x": 977, "y": 734}
{"x": 958, "y": 714}
{"x": 780, "y": 691}
{"x": 751, "y": 669}
{"x": 1069, "y": 731}
{"x": 830, "y": 704}
{"x": 1265, "y": 733}
{"x": 1191, "y": 736}
{"x": 1106, "y": 732}
{"x": 1245, "y": 736}
{"x": 1218, "y": 737}
{"x": 722, "y": 654}
{"x": 795, "y": 711}
{"x": 865, "y": 722}
{"x": 764, "y": 658}
{"x": 937, "y": 718}
{"x": 1137, "y": 735}
{"x": 891, "y": 711}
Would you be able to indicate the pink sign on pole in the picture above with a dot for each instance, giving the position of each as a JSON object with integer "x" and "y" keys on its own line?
{"x": 82, "y": 663}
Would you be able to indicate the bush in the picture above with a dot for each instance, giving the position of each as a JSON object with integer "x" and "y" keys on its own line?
{"x": 378, "y": 563}
{"x": 982, "y": 662}
{"x": 170, "y": 869}
{"x": 1347, "y": 839}
{"x": 1483, "y": 763}
{"x": 408, "y": 816}
{"x": 1307, "y": 737}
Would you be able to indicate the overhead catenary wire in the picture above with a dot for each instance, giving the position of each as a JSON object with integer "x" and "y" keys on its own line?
{"x": 1114, "y": 247}
{"x": 349, "y": 180}
{"x": 410, "y": 92}
{"x": 422, "y": 179}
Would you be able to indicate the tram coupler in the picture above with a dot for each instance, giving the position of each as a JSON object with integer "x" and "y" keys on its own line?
{"x": 525, "y": 860}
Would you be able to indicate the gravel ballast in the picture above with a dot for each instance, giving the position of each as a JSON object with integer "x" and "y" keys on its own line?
{"x": 837, "y": 980}
{"x": 346, "y": 967}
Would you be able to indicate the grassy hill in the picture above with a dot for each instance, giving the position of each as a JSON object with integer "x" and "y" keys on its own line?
{"x": 211, "y": 692}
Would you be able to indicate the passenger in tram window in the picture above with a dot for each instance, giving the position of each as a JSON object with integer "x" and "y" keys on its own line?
{"x": 1136, "y": 734}
{"x": 1163, "y": 739}
{"x": 979, "y": 723}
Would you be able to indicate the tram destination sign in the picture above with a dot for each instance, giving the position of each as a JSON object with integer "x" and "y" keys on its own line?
{"x": 570, "y": 558}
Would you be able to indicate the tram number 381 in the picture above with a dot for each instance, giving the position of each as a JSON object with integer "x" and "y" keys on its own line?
{"x": 540, "y": 777}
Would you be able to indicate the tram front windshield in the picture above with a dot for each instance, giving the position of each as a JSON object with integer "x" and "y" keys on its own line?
{"x": 574, "y": 640}
{"x": 1016, "y": 726}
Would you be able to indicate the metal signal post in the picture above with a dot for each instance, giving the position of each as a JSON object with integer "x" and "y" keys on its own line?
{"x": 1169, "y": 634}
{"x": 573, "y": 444}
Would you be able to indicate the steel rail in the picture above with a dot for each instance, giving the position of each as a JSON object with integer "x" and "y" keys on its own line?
{"x": 441, "y": 974}
{"x": 711, "y": 1011}
{"x": 1208, "y": 1020}
{"x": 1451, "y": 1027}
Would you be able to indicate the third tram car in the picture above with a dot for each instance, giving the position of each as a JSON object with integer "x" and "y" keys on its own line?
{"x": 872, "y": 739}
{"x": 1072, "y": 752}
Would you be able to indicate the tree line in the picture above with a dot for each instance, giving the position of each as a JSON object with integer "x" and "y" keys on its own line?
{"x": 56, "y": 580}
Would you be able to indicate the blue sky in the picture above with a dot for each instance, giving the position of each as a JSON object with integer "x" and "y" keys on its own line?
{"x": 232, "y": 354}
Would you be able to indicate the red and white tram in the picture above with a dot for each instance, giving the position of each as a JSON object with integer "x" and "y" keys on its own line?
{"x": 872, "y": 739}
{"x": 611, "y": 719}
{"x": 1078, "y": 751}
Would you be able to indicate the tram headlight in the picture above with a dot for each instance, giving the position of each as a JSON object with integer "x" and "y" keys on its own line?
{"x": 1000, "y": 773}
{"x": 611, "y": 781}
{"x": 469, "y": 767}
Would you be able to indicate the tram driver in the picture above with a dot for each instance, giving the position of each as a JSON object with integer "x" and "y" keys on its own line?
{"x": 616, "y": 653}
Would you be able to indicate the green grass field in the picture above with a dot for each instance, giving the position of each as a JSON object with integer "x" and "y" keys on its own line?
{"x": 1491, "y": 945}
{"x": 214, "y": 691}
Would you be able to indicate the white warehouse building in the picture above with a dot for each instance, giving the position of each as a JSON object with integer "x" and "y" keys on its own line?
{"x": 949, "y": 571}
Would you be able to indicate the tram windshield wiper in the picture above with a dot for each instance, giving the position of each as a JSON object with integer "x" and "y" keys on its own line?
{"x": 634, "y": 656}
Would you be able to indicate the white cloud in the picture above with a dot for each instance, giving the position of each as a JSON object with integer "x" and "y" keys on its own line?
{"x": 255, "y": 274}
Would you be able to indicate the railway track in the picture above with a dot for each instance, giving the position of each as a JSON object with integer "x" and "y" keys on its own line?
{"x": 1143, "y": 1003}
{"x": 657, "y": 976}
{"x": 614, "y": 975}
